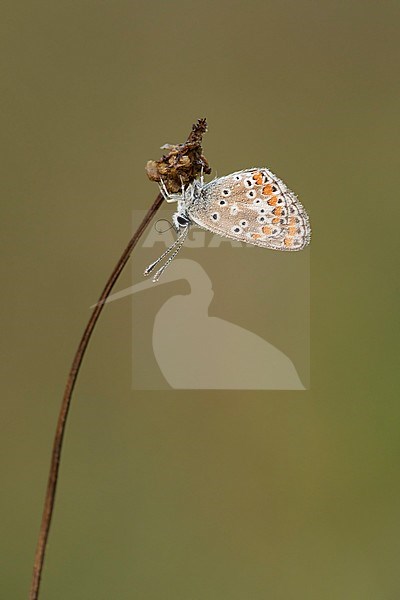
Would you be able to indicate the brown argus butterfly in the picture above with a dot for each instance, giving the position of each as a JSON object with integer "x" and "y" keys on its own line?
{"x": 252, "y": 206}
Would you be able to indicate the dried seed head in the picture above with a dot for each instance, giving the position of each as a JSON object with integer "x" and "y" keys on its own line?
{"x": 183, "y": 163}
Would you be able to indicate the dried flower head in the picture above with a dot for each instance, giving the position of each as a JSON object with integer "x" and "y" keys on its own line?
{"x": 183, "y": 163}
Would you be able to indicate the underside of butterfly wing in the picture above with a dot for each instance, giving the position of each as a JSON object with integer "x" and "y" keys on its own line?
{"x": 253, "y": 206}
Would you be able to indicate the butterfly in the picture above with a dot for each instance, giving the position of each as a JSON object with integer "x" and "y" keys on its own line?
{"x": 252, "y": 206}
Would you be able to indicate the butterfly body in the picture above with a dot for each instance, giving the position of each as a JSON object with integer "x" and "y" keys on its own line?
{"x": 252, "y": 206}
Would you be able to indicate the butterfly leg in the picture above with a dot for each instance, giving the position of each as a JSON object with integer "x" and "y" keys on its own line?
{"x": 202, "y": 176}
{"x": 167, "y": 196}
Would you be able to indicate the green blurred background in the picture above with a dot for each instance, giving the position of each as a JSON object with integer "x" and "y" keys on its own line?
{"x": 199, "y": 495}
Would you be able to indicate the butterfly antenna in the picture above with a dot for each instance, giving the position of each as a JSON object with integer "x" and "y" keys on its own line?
{"x": 178, "y": 242}
{"x": 161, "y": 270}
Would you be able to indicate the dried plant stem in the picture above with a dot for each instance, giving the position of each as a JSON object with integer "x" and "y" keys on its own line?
{"x": 66, "y": 401}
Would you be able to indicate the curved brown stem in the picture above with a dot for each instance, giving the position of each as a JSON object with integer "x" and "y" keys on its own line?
{"x": 66, "y": 401}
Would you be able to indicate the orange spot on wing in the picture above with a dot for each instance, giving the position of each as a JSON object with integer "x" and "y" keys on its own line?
{"x": 288, "y": 242}
{"x": 277, "y": 211}
{"x": 258, "y": 178}
{"x": 267, "y": 229}
{"x": 256, "y": 235}
{"x": 272, "y": 201}
{"x": 267, "y": 190}
{"x": 292, "y": 231}
{"x": 276, "y": 220}
{"x": 292, "y": 220}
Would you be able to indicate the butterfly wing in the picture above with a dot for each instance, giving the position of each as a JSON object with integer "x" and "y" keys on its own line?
{"x": 253, "y": 206}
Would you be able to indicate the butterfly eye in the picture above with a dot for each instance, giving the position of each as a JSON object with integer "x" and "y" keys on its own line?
{"x": 226, "y": 192}
{"x": 222, "y": 202}
{"x": 236, "y": 229}
{"x": 248, "y": 183}
{"x": 251, "y": 194}
{"x": 215, "y": 216}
